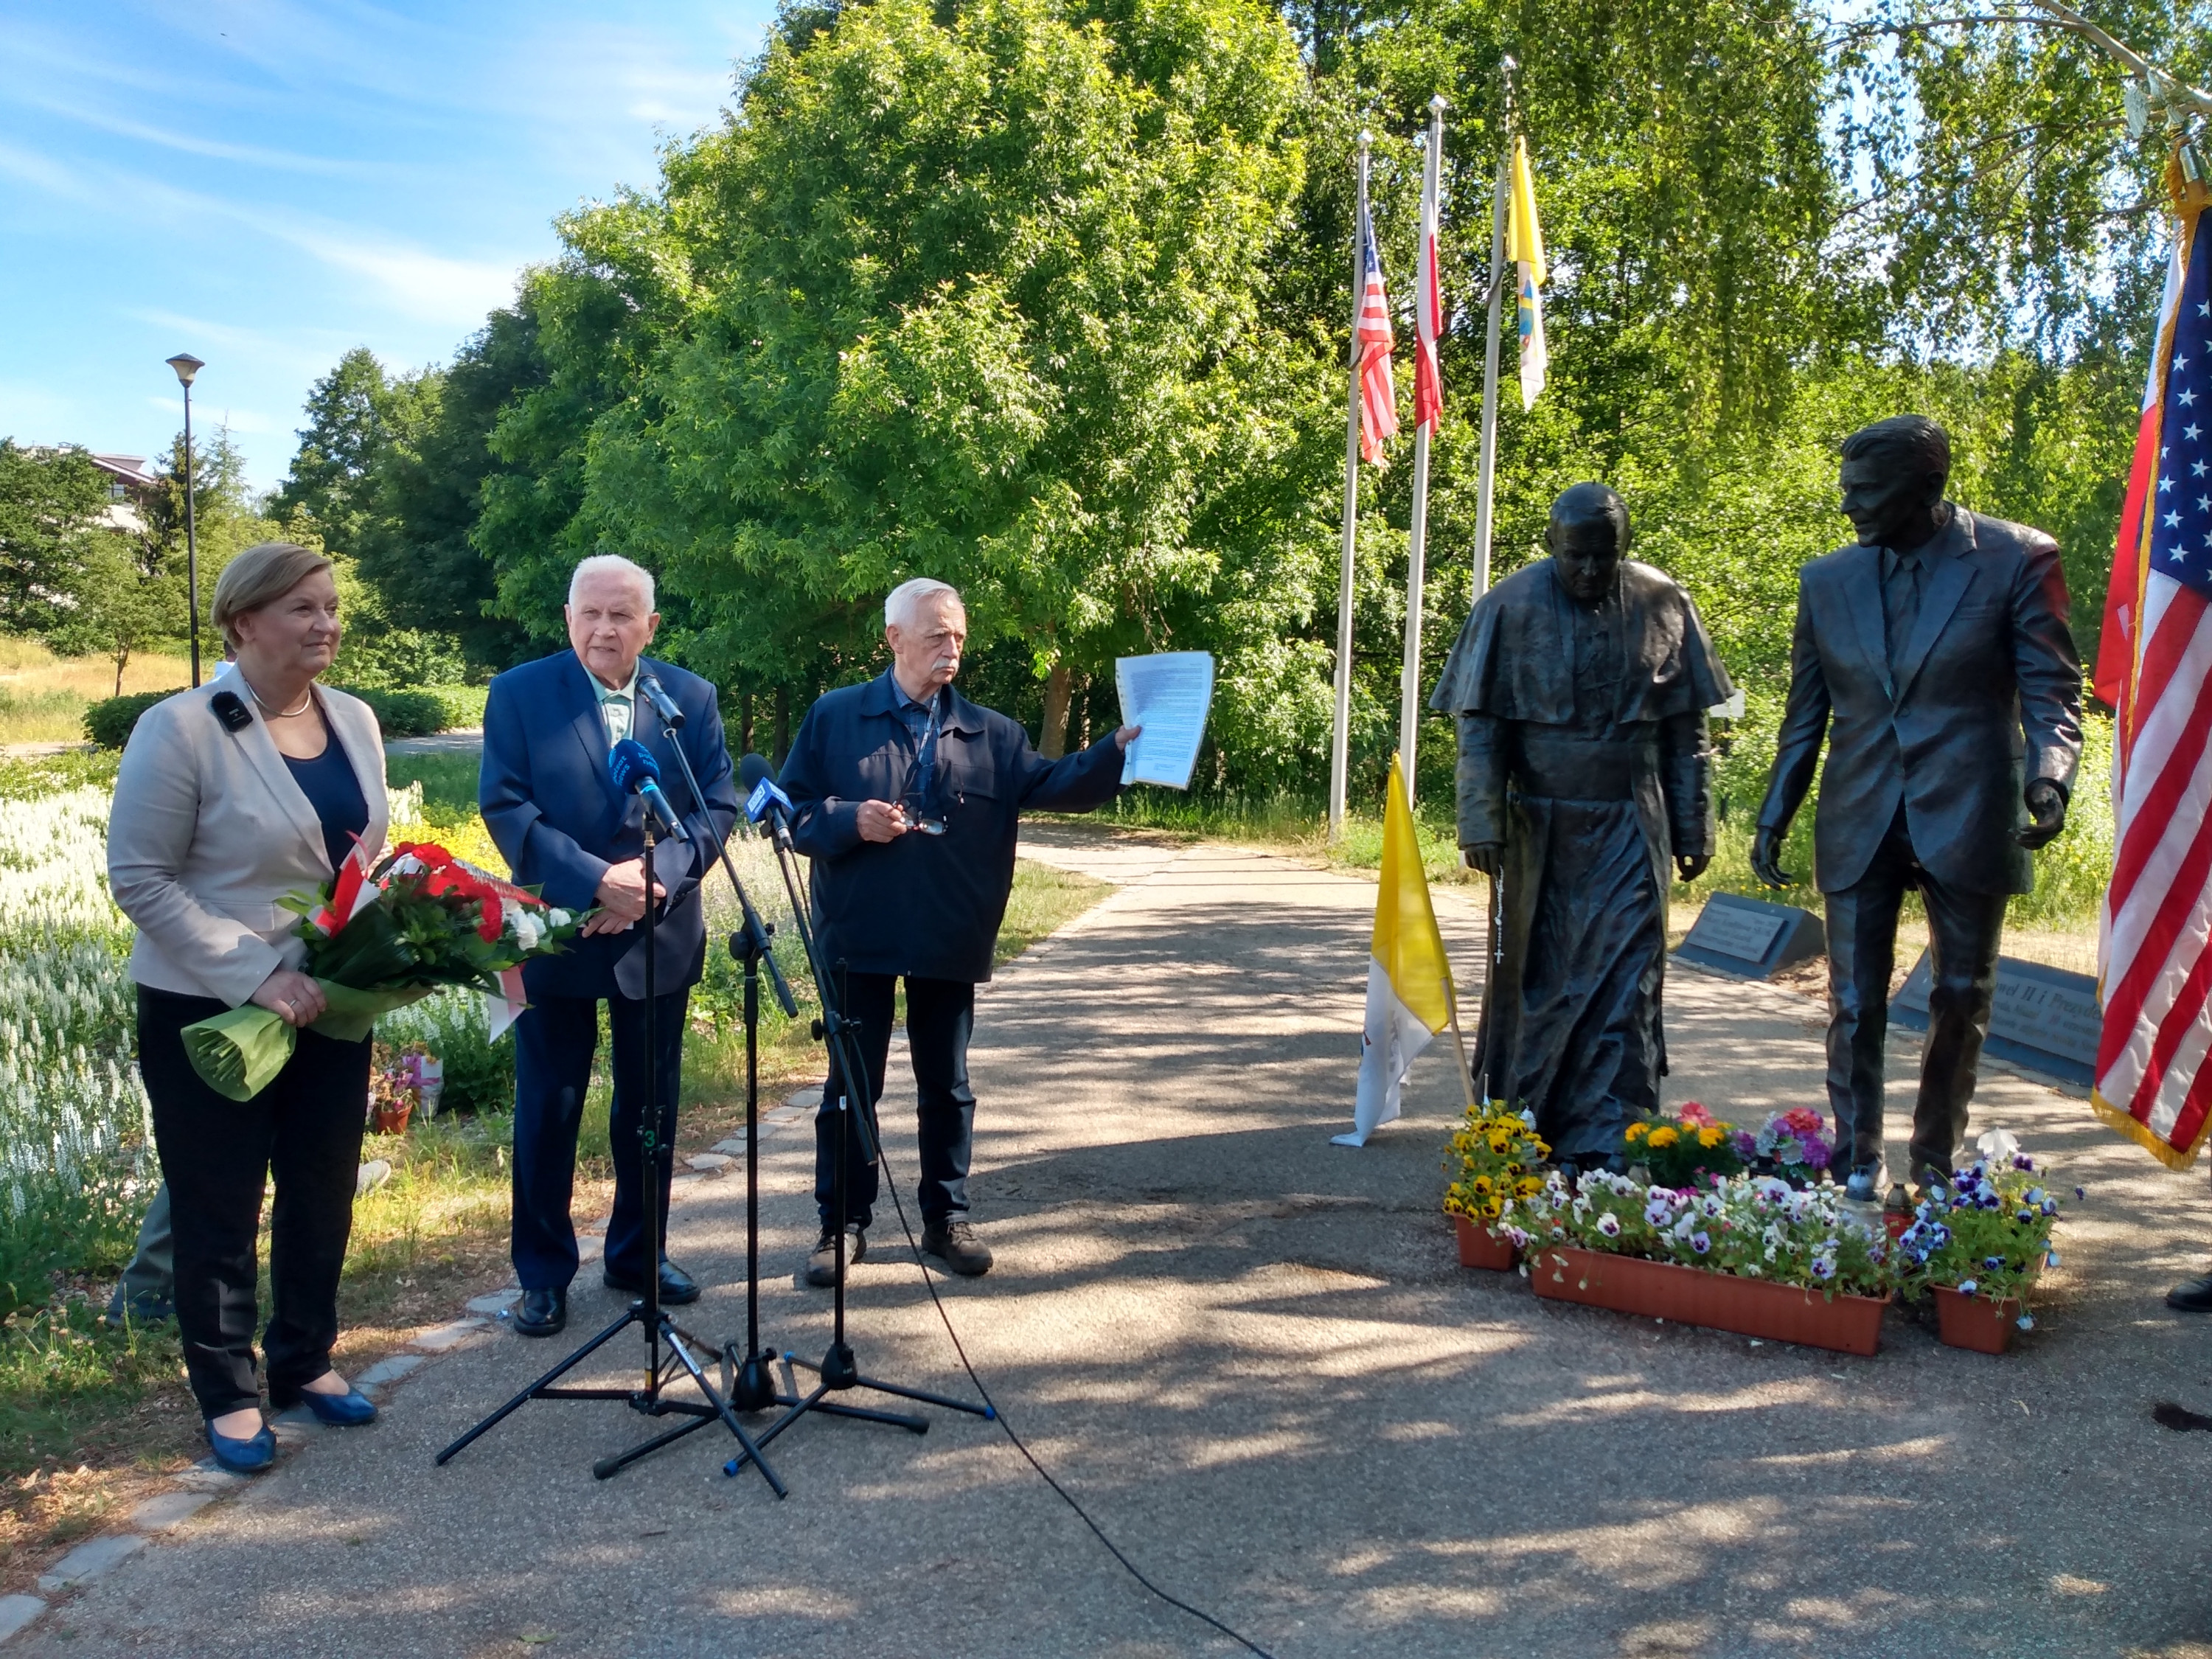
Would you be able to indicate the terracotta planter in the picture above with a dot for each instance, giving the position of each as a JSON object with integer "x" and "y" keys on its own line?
{"x": 1480, "y": 1247}
{"x": 392, "y": 1120}
{"x": 1722, "y": 1302}
{"x": 1975, "y": 1322}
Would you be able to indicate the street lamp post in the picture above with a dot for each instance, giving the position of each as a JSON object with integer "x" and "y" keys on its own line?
{"x": 187, "y": 366}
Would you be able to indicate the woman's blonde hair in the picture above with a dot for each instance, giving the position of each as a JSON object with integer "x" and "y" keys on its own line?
{"x": 266, "y": 571}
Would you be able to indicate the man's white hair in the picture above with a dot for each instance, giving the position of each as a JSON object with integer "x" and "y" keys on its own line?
{"x": 904, "y": 600}
{"x": 611, "y": 565}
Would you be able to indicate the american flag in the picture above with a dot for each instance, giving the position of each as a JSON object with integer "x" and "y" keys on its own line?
{"x": 1428, "y": 315}
{"x": 1378, "y": 392}
{"x": 2156, "y": 666}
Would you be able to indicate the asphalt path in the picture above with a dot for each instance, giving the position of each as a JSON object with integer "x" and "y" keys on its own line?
{"x": 1253, "y": 1356}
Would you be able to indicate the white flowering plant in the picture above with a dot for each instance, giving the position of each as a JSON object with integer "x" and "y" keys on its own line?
{"x": 1752, "y": 1226}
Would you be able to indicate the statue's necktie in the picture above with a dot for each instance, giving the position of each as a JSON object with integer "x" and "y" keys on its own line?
{"x": 1901, "y": 608}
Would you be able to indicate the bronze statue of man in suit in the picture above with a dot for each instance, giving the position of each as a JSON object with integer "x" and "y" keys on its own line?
{"x": 1581, "y": 684}
{"x": 1933, "y": 656}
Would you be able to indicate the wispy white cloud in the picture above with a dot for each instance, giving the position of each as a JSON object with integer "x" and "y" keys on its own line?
{"x": 190, "y": 144}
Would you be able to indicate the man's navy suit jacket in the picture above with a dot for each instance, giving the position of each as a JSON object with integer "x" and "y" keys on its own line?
{"x": 552, "y": 807}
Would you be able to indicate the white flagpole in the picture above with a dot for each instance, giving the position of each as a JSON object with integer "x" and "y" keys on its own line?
{"x": 1416, "y": 541}
{"x": 1340, "y": 751}
{"x": 1488, "y": 474}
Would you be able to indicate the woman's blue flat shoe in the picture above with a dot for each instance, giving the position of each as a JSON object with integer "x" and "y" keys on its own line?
{"x": 248, "y": 1457}
{"x": 342, "y": 1411}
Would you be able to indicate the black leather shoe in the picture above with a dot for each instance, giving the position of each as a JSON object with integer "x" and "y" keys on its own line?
{"x": 542, "y": 1312}
{"x": 677, "y": 1286}
{"x": 2191, "y": 1295}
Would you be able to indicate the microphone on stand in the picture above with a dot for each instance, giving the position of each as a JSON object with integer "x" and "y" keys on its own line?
{"x": 637, "y": 772}
{"x": 650, "y": 687}
{"x": 763, "y": 799}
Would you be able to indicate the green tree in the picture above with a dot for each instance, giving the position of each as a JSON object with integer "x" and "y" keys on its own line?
{"x": 124, "y": 599}
{"x": 52, "y": 505}
{"x": 971, "y": 295}
{"x": 426, "y": 492}
{"x": 330, "y": 482}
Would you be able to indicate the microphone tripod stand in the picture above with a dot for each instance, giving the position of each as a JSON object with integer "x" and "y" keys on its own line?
{"x": 839, "y": 1370}
{"x": 660, "y": 1328}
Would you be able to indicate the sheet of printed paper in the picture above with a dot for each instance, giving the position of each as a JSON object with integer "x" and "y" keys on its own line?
{"x": 1168, "y": 695}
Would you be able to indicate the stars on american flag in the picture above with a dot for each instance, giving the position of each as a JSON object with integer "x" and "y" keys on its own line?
{"x": 2181, "y": 529}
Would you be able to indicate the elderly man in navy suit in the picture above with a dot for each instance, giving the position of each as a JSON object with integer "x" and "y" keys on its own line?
{"x": 905, "y": 796}
{"x": 551, "y": 803}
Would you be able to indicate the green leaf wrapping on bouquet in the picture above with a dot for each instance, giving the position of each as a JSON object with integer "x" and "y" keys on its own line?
{"x": 238, "y": 1052}
{"x": 351, "y": 1015}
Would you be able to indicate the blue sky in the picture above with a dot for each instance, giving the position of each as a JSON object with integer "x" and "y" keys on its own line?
{"x": 266, "y": 183}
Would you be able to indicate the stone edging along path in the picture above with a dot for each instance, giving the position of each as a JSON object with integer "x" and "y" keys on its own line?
{"x": 205, "y": 1482}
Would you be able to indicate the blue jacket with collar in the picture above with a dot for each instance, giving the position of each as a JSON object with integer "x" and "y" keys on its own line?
{"x": 553, "y": 809}
{"x": 925, "y": 905}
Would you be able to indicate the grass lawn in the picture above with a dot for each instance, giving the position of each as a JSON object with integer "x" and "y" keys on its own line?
{"x": 91, "y": 1418}
{"x": 43, "y": 697}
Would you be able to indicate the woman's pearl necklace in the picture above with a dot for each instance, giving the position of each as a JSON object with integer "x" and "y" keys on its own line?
{"x": 306, "y": 698}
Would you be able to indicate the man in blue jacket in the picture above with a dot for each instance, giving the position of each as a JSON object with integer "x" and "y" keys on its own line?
{"x": 552, "y": 806}
{"x": 905, "y": 795}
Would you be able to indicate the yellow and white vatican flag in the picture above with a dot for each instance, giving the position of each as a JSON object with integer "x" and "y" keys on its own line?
{"x": 1524, "y": 246}
{"x": 1409, "y": 990}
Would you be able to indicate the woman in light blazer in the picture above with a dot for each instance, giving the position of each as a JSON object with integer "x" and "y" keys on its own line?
{"x": 230, "y": 798}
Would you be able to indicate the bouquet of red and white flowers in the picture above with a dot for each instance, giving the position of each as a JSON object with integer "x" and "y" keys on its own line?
{"x": 378, "y": 940}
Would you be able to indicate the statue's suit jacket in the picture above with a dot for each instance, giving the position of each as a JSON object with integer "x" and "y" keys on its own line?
{"x": 1988, "y": 695}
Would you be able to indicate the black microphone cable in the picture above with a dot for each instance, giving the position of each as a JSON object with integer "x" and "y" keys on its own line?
{"x": 929, "y": 1282}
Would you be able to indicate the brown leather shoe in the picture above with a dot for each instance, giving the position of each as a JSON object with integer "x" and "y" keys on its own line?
{"x": 954, "y": 1243}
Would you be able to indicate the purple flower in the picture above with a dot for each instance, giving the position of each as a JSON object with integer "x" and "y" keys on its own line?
{"x": 1609, "y": 1224}
{"x": 2027, "y": 1322}
{"x": 1993, "y": 1262}
{"x": 1745, "y": 1144}
{"x": 2021, "y": 1161}
{"x": 1700, "y": 1242}
{"x": 1816, "y": 1154}
{"x": 1965, "y": 1287}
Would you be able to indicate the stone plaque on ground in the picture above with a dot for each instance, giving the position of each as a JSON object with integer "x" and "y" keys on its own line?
{"x": 1750, "y": 938}
{"x": 2043, "y": 1017}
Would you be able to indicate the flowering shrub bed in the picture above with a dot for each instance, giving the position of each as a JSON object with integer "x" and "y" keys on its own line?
{"x": 76, "y": 1153}
{"x": 1752, "y": 1226}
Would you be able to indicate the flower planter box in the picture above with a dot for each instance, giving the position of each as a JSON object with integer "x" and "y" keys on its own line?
{"x": 1480, "y": 1247}
{"x": 1975, "y": 1322}
{"x": 1722, "y": 1302}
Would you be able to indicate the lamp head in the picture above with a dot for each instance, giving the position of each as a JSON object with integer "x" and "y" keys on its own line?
{"x": 187, "y": 366}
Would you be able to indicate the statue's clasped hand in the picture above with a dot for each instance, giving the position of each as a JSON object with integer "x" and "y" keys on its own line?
{"x": 1483, "y": 855}
{"x": 1691, "y": 866}
{"x": 2046, "y": 807}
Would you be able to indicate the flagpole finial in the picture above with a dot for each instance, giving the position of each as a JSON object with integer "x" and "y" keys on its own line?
{"x": 1365, "y": 138}
{"x": 1437, "y": 105}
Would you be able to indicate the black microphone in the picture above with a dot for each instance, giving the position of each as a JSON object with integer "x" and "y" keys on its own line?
{"x": 637, "y": 772}
{"x": 663, "y": 705}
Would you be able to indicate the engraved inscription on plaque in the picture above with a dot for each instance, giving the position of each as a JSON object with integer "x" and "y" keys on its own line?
{"x": 1736, "y": 931}
{"x": 2039, "y": 1017}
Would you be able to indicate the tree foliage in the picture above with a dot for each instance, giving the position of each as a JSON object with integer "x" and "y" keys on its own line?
{"x": 1048, "y": 298}
{"x": 52, "y": 505}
